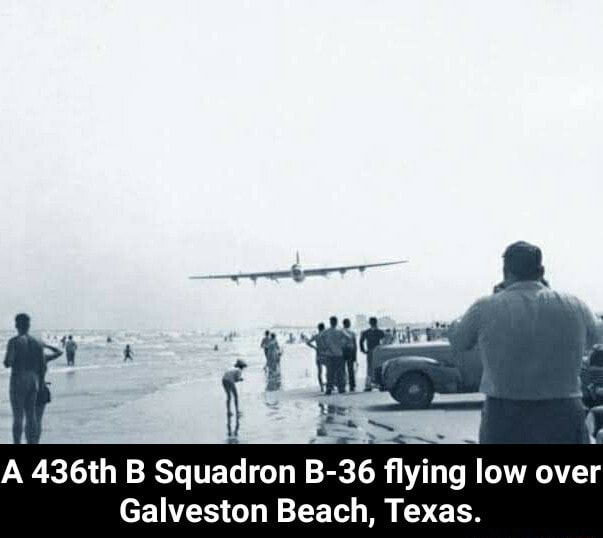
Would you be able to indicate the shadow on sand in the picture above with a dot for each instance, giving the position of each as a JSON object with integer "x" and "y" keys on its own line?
{"x": 458, "y": 406}
{"x": 442, "y": 406}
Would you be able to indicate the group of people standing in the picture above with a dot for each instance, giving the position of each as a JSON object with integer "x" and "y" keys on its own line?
{"x": 273, "y": 353}
{"x": 337, "y": 353}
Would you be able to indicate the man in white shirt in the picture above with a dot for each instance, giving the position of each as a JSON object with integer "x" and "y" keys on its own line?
{"x": 532, "y": 341}
{"x": 317, "y": 345}
{"x": 334, "y": 341}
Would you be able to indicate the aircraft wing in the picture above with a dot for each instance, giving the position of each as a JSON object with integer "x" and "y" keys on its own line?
{"x": 271, "y": 275}
{"x": 324, "y": 271}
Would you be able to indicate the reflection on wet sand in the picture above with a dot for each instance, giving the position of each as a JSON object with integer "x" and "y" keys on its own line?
{"x": 272, "y": 398}
{"x": 273, "y": 387}
{"x": 233, "y": 434}
{"x": 273, "y": 379}
{"x": 340, "y": 425}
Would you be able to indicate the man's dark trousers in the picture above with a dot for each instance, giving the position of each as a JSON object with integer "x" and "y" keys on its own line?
{"x": 335, "y": 373}
{"x": 349, "y": 360}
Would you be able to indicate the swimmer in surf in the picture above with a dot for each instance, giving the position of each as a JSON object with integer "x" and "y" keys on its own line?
{"x": 70, "y": 349}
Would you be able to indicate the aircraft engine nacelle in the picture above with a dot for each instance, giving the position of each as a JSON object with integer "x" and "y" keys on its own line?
{"x": 297, "y": 273}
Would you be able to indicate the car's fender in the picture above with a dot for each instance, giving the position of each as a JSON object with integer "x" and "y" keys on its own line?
{"x": 445, "y": 378}
{"x": 594, "y": 424}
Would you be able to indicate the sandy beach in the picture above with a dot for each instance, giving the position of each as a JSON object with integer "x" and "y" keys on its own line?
{"x": 296, "y": 416}
{"x": 452, "y": 419}
{"x": 171, "y": 393}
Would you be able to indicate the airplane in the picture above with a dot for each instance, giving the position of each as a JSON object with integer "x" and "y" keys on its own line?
{"x": 297, "y": 273}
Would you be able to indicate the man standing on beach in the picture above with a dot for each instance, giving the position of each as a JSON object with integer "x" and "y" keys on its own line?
{"x": 264, "y": 343}
{"x": 532, "y": 341}
{"x": 335, "y": 341}
{"x": 25, "y": 358}
{"x": 316, "y": 343}
{"x": 369, "y": 340}
{"x": 350, "y": 353}
{"x": 70, "y": 349}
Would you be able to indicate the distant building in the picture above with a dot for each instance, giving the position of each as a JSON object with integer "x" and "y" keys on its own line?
{"x": 386, "y": 322}
{"x": 361, "y": 321}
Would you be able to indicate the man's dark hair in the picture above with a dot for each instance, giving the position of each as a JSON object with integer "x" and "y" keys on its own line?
{"x": 596, "y": 356}
{"x": 346, "y": 323}
{"x": 267, "y": 333}
{"x": 333, "y": 321}
{"x": 373, "y": 321}
{"x": 22, "y": 318}
{"x": 22, "y": 322}
{"x": 524, "y": 261}
{"x": 321, "y": 326}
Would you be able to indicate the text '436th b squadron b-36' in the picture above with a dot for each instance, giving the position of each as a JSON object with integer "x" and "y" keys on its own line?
{"x": 297, "y": 272}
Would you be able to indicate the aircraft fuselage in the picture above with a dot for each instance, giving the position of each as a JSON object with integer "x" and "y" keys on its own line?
{"x": 297, "y": 273}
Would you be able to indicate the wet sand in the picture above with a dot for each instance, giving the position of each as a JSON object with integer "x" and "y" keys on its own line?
{"x": 452, "y": 419}
{"x": 295, "y": 416}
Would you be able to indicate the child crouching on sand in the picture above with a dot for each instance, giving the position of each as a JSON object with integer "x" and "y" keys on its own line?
{"x": 229, "y": 380}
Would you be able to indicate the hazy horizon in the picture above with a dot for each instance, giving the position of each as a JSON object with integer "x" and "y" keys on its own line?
{"x": 143, "y": 142}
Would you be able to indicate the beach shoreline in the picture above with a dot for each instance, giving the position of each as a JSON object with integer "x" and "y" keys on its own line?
{"x": 172, "y": 393}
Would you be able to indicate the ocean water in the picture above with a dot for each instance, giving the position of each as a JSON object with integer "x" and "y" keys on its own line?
{"x": 172, "y": 393}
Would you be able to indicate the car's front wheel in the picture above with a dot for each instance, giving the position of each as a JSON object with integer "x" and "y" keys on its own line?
{"x": 414, "y": 390}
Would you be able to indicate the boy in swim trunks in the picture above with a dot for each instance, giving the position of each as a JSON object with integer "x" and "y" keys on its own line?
{"x": 229, "y": 380}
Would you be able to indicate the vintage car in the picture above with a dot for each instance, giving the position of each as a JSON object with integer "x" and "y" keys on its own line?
{"x": 413, "y": 373}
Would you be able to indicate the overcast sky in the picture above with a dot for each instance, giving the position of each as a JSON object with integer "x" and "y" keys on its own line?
{"x": 141, "y": 142}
